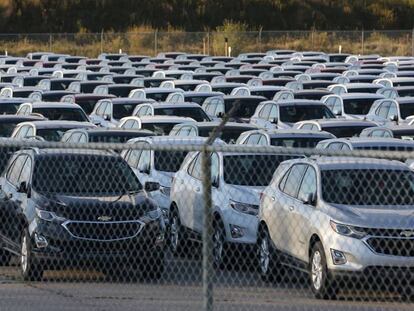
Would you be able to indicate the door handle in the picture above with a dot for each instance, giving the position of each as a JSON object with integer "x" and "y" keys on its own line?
{"x": 197, "y": 189}
{"x": 273, "y": 199}
{"x": 291, "y": 208}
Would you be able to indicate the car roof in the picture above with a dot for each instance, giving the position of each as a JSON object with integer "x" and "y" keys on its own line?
{"x": 55, "y": 105}
{"x": 405, "y": 100}
{"x": 174, "y": 105}
{"x": 116, "y": 130}
{"x": 176, "y": 140}
{"x": 19, "y": 118}
{"x": 352, "y": 163}
{"x": 298, "y": 132}
{"x": 59, "y": 124}
{"x": 165, "y": 119}
{"x": 300, "y": 102}
{"x": 342, "y": 122}
{"x": 374, "y": 141}
{"x": 361, "y": 96}
{"x": 227, "y": 125}
{"x": 39, "y": 152}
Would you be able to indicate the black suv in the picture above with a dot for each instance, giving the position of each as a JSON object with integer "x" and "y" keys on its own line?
{"x": 61, "y": 208}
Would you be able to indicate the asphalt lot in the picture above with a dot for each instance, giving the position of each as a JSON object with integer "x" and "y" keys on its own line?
{"x": 180, "y": 289}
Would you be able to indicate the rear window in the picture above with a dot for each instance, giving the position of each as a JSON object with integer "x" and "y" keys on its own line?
{"x": 196, "y": 113}
{"x": 68, "y": 114}
{"x": 345, "y": 131}
{"x": 296, "y": 142}
{"x": 293, "y": 114}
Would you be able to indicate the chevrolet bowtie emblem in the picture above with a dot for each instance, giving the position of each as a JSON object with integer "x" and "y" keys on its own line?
{"x": 104, "y": 218}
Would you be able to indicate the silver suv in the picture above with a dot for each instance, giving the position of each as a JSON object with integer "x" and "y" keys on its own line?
{"x": 336, "y": 218}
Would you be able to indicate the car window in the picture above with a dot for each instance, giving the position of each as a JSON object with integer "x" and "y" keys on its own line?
{"x": 308, "y": 185}
{"x": 293, "y": 181}
{"x": 307, "y": 126}
{"x": 195, "y": 167}
{"x": 133, "y": 157}
{"x": 253, "y": 139}
{"x": 335, "y": 146}
{"x": 215, "y": 167}
{"x": 14, "y": 171}
{"x": 262, "y": 140}
{"x": 144, "y": 162}
{"x": 392, "y": 111}
{"x": 345, "y": 147}
{"x": 273, "y": 112}
{"x": 382, "y": 110}
{"x": 100, "y": 109}
{"x": 26, "y": 170}
{"x": 265, "y": 112}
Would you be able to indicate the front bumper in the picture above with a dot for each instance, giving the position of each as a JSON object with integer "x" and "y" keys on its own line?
{"x": 65, "y": 249}
{"x": 240, "y": 228}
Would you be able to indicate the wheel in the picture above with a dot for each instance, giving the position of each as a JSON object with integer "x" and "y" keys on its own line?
{"x": 268, "y": 263}
{"x": 177, "y": 237}
{"x": 5, "y": 257}
{"x": 30, "y": 269}
{"x": 219, "y": 245}
{"x": 323, "y": 285}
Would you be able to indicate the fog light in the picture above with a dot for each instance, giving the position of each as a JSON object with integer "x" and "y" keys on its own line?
{"x": 338, "y": 257}
{"x": 40, "y": 240}
{"x": 236, "y": 231}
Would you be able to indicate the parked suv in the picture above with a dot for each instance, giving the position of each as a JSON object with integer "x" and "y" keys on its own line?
{"x": 338, "y": 217}
{"x": 72, "y": 208}
{"x": 237, "y": 180}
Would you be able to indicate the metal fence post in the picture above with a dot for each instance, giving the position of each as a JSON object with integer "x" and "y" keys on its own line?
{"x": 208, "y": 42}
{"x": 362, "y": 42}
{"x": 412, "y": 43}
{"x": 102, "y": 39}
{"x": 260, "y": 39}
{"x": 156, "y": 42}
{"x": 207, "y": 233}
{"x": 50, "y": 42}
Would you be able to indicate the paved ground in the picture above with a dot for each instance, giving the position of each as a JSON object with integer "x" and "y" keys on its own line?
{"x": 180, "y": 289}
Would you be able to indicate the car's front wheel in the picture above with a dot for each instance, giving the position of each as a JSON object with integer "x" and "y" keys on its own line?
{"x": 323, "y": 285}
{"x": 220, "y": 255}
{"x": 177, "y": 236}
{"x": 269, "y": 266}
{"x": 30, "y": 269}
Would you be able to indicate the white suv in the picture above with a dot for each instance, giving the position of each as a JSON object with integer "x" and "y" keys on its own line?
{"x": 338, "y": 218}
{"x": 237, "y": 180}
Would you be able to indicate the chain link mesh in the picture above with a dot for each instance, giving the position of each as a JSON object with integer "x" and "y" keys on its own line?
{"x": 111, "y": 226}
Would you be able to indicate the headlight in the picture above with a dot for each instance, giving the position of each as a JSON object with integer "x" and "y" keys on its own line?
{"x": 347, "y": 230}
{"x": 244, "y": 208}
{"x": 48, "y": 216}
{"x": 165, "y": 190}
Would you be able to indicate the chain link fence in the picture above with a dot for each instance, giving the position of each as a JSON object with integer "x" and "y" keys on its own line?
{"x": 393, "y": 42}
{"x": 188, "y": 226}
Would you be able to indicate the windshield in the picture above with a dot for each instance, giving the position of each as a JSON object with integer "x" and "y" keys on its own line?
{"x": 9, "y": 108}
{"x": 268, "y": 94}
{"x": 229, "y": 135}
{"x": 77, "y": 175}
{"x": 407, "y": 110}
{"x": 123, "y": 110}
{"x": 54, "y": 134}
{"x": 121, "y": 91}
{"x": 68, "y": 114}
{"x": 368, "y": 187}
{"x": 293, "y": 114}
{"x": 114, "y": 138}
{"x": 345, "y": 131}
{"x": 224, "y": 89}
{"x": 169, "y": 161}
{"x": 6, "y": 129}
{"x": 159, "y": 128}
{"x": 196, "y": 113}
{"x": 245, "y": 108}
{"x": 159, "y": 97}
{"x": 251, "y": 170}
{"x": 296, "y": 142}
{"x": 363, "y": 90}
{"x": 59, "y": 85}
{"x": 87, "y": 105}
{"x": 196, "y": 99}
{"x": 358, "y": 105}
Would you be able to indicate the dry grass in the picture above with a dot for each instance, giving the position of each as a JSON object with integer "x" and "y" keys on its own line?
{"x": 142, "y": 41}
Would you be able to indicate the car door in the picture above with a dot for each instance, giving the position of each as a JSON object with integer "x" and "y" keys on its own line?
{"x": 285, "y": 230}
{"x": 14, "y": 202}
{"x": 191, "y": 206}
{"x": 303, "y": 212}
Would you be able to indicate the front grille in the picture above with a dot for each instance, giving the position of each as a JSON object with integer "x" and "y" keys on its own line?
{"x": 103, "y": 231}
{"x": 392, "y": 246}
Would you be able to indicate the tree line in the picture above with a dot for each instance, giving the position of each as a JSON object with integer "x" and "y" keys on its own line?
{"x": 45, "y": 16}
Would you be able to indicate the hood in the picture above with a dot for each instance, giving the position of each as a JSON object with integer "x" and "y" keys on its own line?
{"x": 244, "y": 194}
{"x": 387, "y": 217}
{"x": 118, "y": 208}
{"x": 355, "y": 116}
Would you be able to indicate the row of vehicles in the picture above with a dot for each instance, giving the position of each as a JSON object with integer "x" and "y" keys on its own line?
{"x": 334, "y": 218}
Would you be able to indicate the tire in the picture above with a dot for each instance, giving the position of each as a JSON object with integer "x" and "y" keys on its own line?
{"x": 322, "y": 283}
{"x": 268, "y": 262}
{"x": 220, "y": 254}
{"x": 5, "y": 257}
{"x": 177, "y": 236}
{"x": 30, "y": 269}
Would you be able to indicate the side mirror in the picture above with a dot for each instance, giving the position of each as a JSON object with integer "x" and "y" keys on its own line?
{"x": 337, "y": 112}
{"x": 23, "y": 188}
{"x": 310, "y": 199}
{"x": 151, "y": 186}
{"x": 145, "y": 170}
{"x": 274, "y": 120}
{"x": 220, "y": 115}
{"x": 107, "y": 117}
{"x": 215, "y": 183}
{"x": 393, "y": 117}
